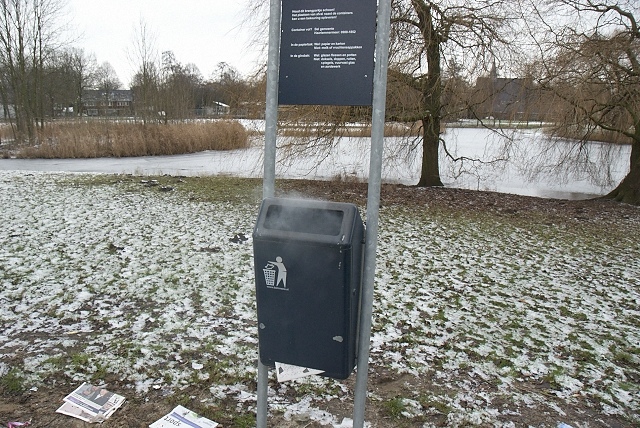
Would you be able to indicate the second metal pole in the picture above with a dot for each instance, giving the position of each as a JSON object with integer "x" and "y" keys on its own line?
{"x": 269, "y": 179}
{"x": 373, "y": 205}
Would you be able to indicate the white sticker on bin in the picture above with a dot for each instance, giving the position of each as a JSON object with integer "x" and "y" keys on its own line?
{"x": 287, "y": 372}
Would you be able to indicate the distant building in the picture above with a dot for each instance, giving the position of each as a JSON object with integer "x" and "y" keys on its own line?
{"x": 504, "y": 98}
{"x": 117, "y": 102}
{"x": 217, "y": 109}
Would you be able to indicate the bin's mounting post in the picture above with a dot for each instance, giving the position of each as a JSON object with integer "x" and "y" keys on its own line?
{"x": 373, "y": 205}
{"x": 269, "y": 179}
{"x": 271, "y": 112}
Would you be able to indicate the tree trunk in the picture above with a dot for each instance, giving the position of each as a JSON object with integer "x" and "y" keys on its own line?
{"x": 628, "y": 191}
{"x": 430, "y": 173}
{"x": 431, "y": 88}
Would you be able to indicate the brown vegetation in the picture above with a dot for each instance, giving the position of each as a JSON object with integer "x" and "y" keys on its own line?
{"x": 123, "y": 139}
{"x": 600, "y": 135}
{"x": 393, "y": 129}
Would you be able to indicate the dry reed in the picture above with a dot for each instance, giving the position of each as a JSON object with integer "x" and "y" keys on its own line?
{"x": 393, "y": 129}
{"x": 600, "y": 135}
{"x": 122, "y": 139}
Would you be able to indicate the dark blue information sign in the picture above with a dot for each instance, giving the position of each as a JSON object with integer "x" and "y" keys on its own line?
{"x": 327, "y": 52}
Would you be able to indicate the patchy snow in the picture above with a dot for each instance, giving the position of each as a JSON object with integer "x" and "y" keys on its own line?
{"x": 101, "y": 279}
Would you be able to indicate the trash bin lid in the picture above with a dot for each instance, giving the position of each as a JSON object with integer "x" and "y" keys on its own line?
{"x": 306, "y": 220}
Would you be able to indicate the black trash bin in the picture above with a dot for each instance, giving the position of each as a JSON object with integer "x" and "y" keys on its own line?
{"x": 308, "y": 267}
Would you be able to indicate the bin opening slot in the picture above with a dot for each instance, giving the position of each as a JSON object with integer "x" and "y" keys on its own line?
{"x": 304, "y": 220}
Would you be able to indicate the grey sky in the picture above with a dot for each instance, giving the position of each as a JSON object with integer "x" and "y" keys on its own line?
{"x": 202, "y": 32}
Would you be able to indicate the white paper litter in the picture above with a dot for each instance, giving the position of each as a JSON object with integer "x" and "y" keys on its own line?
{"x": 287, "y": 372}
{"x": 183, "y": 417}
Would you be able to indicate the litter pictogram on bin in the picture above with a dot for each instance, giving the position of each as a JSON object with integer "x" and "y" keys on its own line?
{"x": 270, "y": 271}
{"x": 270, "y": 275}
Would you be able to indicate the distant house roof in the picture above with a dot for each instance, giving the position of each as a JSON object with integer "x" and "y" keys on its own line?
{"x": 115, "y": 95}
{"x": 503, "y": 97}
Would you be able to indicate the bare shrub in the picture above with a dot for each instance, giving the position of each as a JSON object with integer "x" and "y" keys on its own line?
{"x": 122, "y": 139}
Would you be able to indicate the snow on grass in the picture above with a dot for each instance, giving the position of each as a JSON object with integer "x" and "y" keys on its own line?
{"x": 112, "y": 279}
{"x": 126, "y": 274}
{"x": 509, "y": 304}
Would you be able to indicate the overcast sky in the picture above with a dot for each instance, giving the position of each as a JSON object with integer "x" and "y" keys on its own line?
{"x": 202, "y": 32}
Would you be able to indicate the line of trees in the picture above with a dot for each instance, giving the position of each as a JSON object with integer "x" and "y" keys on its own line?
{"x": 165, "y": 89}
{"x": 42, "y": 77}
{"x": 28, "y": 35}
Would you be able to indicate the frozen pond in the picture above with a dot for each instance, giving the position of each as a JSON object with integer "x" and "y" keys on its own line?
{"x": 526, "y": 165}
{"x": 533, "y": 165}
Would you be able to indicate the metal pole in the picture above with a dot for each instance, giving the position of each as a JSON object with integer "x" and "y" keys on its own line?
{"x": 271, "y": 113}
{"x": 269, "y": 178}
{"x": 263, "y": 391}
{"x": 373, "y": 205}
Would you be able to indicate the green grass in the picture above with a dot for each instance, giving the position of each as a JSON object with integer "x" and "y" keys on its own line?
{"x": 196, "y": 189}
{"x": 13, "y": 382}
{"x": 437, "y": 404}
{"x": 395, "y": 407}
{"x": 623, "y": 358}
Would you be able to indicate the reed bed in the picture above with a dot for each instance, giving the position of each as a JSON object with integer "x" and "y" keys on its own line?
{"x": 392, "y": 129}
{"x": 121, "y": 139}
{"x": 601, "y": 135}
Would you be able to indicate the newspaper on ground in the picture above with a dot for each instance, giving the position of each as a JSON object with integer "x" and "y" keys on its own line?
{"x": 91, "y": 403}
{"x": 183, "y": 417}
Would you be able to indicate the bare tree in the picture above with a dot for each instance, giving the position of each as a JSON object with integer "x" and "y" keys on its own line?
{"x": 146, "y": 81}
{"x": 64, "y": 76}
{"x": 81, "y": 71}
{"x": 228, "y": 86}
{"x": 432, "y": 43}
{"x": 589, "y": 56}
{"x": 28, "y": 34}
{"x": 107, "y": 82}
{"x": 106, "y": 78}
{"x": 244, "y": 96}
{"x": 178, "y": 87}
{"x": 431, "y": 37}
